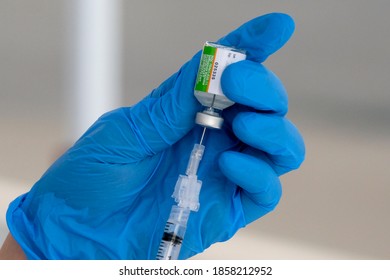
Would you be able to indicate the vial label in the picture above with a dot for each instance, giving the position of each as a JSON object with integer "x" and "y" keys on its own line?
{"x": 213, "y": 62}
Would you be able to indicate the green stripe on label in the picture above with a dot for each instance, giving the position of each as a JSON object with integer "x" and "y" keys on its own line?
{"x": 206, "y": 64}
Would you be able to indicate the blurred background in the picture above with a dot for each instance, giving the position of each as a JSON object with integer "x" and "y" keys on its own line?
{"x": 336, "y": 69}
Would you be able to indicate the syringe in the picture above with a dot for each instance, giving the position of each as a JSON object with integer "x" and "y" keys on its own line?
{"x": 186, "y": 195}
{"x": 215, "y": 58}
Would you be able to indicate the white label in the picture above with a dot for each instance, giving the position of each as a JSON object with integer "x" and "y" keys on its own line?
{"x": 223, "y": 58}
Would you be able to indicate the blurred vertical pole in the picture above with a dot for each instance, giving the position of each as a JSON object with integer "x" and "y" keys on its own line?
{"x": 94, "y": 66}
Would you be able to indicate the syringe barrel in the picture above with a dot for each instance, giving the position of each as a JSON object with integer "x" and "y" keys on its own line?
{"x": 179, "y": 215}
{"x": 173, "y": 236}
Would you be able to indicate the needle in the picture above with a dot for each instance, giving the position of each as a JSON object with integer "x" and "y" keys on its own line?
{"x": 201, "y": 139}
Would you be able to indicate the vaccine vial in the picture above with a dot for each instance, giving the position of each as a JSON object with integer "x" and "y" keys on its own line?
{"x": 215, "y": 58}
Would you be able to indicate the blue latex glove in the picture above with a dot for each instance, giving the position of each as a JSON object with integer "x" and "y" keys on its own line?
{"x": 109, "y": 196}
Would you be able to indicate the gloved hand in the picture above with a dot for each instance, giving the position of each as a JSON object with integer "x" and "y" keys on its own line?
{"x": 109, "y": 196}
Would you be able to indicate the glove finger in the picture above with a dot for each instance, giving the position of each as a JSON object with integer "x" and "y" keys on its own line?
{"x": 260, "y": 186}
{"x": 276, "y": 136}
{"x": 159, "y": 122}
{"x": 261, "y": 36}
{"x": 252, "y": 84}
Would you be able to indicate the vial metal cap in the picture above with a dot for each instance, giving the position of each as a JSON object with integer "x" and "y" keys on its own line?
{"x": 208, "y": 120}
